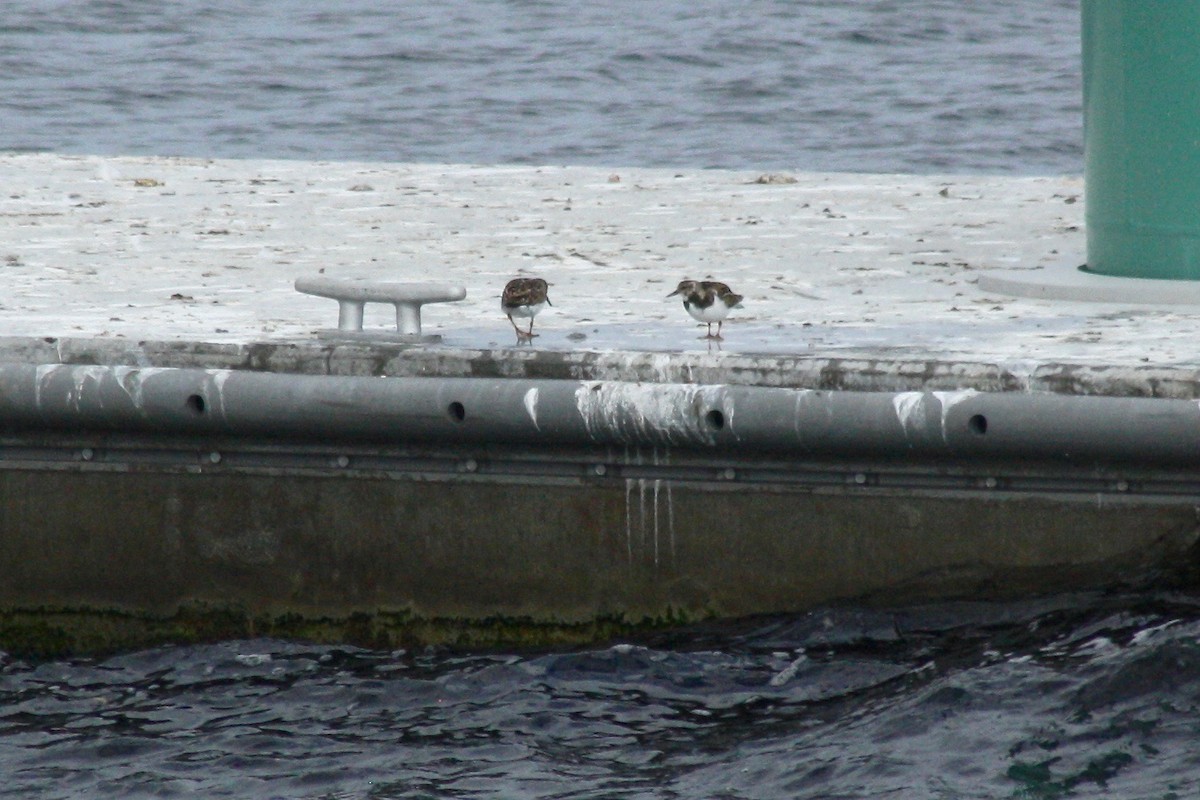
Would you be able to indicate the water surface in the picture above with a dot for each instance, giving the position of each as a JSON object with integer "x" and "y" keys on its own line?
{"x": 1074, "y": 696}
{"x": 882, "y": 86}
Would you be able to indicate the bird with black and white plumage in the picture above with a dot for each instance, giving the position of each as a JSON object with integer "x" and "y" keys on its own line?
{"x": 708, "y": 302}
{"x": 524, "y": 297}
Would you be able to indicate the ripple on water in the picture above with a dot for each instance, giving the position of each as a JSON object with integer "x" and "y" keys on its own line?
{"x": 921, "y": 87}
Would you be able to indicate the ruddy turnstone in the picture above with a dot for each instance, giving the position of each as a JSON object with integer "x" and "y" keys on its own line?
{"x": 524, "y": 297}
{"x": 708, "y": 302}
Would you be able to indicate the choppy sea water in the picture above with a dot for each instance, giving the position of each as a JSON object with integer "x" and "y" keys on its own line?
{"x": 859, "y": 85}
{"x": 1080, "y": 696}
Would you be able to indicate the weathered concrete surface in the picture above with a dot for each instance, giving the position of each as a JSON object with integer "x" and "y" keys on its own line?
{"x": 862, "y": 281}
{"x": 845, "y": 265}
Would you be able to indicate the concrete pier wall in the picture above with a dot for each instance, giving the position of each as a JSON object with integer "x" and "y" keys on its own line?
{"x": 183, "y": 455}
{"x": 393, "y": 510}
{"x": 562, "y": 537}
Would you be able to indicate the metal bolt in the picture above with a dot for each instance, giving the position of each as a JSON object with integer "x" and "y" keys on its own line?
{"x": 86, "y": 454}
{"x": 470, "y": 465}
{"x": 214, "y": 457}
{"x": 990, "y": 483}
{"x": 599, "y": 469}
{"x": 729, "y": 474}
{"x": 860, "y": 478}
{"x": 343, "y": 461}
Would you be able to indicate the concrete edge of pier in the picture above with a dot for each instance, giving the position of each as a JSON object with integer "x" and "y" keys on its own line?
{"x": 866, "y": 371}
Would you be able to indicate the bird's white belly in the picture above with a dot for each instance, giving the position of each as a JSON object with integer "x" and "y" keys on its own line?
{"x": 523, "y": 311}
{"x": 714, "y": 313}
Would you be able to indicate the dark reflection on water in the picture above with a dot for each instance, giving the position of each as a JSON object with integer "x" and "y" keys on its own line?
{"x": 1072, "y": 696}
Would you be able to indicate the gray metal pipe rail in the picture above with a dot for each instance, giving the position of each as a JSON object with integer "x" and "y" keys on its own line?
{"x": 734, "y": 419}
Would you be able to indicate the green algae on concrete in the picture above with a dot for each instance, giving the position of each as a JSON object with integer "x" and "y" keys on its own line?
{"x": 45, "y": 633}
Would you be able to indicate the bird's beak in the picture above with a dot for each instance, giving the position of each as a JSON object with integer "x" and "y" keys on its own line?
{"x": 672, "y": 294}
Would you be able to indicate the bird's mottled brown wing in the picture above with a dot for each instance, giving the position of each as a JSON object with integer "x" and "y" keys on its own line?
{"x": 524, "y": 292}
{"x": 716, "y": 286}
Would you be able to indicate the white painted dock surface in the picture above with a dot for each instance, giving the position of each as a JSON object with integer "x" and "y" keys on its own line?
{"x": 831, "y": 265}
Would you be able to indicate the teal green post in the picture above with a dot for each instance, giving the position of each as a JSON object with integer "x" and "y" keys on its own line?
{"x": 1141, "y": 112}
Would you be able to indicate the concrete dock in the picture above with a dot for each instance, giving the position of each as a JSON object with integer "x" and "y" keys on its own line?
{"x": 187, "y": 453}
